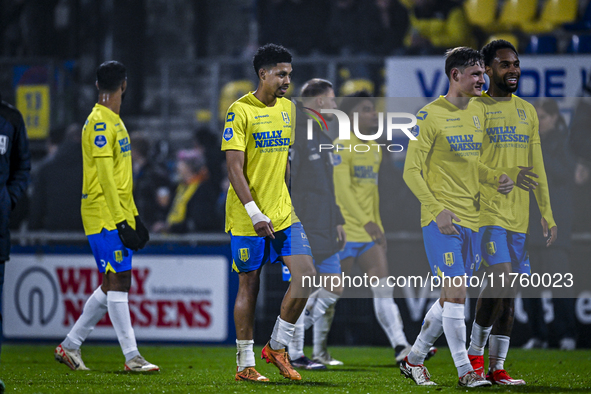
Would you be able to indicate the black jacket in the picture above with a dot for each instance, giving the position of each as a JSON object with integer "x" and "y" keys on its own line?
{"x": 15, "y": 165}
{"x": 312, "y": 189}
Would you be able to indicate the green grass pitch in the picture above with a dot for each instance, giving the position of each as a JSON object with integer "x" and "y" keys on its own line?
{"x": 206, "y": 369}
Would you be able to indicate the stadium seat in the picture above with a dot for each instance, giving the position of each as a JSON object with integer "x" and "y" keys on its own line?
{"x": 542, "y": 44}
{"x": 582, "y": 24}
{"x": 554, "y": 13}
{"x": 355, "y": 85}
{"x": 481, "y": 13}
{"x": 580, "y": 44}
{"x": 231, "y": 92}
{"x": 512, "y": 38}
{"x": 515, "y": 13}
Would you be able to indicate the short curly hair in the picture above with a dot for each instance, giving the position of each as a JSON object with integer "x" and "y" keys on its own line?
{"x": 270, "y": 55}
{"x": 489, "y": 51}
{"x": 110, "y": 75}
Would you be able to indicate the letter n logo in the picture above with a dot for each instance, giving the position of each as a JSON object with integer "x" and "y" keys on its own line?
{"x": 244, "y": 254}
{"x": 448, "y": 258}
{"x": 491, "y": 248}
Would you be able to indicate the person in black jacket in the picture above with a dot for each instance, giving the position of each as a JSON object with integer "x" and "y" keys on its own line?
{"x": 313, "y": 197}
{"x": 15, "y": 166}
{"x": 560, "y": 170}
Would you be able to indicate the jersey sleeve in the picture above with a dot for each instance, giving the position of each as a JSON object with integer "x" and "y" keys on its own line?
{"x": 416, "y": 157}
{"x": 542, "y": 192}
{"x": 103, "y": 138}
{"x": 234, "y": 135}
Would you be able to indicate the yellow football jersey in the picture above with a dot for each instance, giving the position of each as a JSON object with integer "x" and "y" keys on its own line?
{"x": 356, "y": 186}
{"x": 264, "y": 134}
{"x": 511, "y": 140}
{"x": 446, "y": 151}
{"x": 105, "y": 135}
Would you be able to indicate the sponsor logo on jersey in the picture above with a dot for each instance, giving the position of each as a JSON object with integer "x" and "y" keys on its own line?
{"x": 476, "y": 122}
{"x": 102, "y": 126}
{"x": 422, "y": 115}
{"x": 364, "y": 172}
{"x": 118, "y": 255}
{"x": 100, "y": 141}
{"x": 336, "y": 159}
{"x": 230, "y": 117}
{"x": 3, "y": 144}
{"x": 452, "y": 119}
{"x": 125, "y": 145}
{"x": 462, "y": 142}
{"x": 266, "y": 139}
{"x": 448, "y": 258}
{"x": 244, "y": 254}
{"x": 521, "y": 113}
{"x": 491, "y": 248}
{"x": 505, "y": 134}
{"x": 228, "y": 133}
{"x": 285, "y": 117}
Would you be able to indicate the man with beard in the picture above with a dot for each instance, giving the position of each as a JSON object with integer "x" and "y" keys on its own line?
{"x": 110, "y": 220}
{"x": 512, "y": 142}
{"x": 259, "y": 213}
{"x": 442, "y": 169}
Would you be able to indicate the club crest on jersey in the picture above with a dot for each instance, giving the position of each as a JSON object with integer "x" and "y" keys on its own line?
{"x": 118, "y": 255}
{"x": 228, "y": 133}
{"x": 521, "y": 113}
{"x": 100, "y": 141}
{"x": 285, "y": 117}
{"x": 476, "y": 122}
{"x": 448, "y": 258}
{"x": 491, "y": 248}
{"x": 415, "y": 130}
{"x": 230, "y": 117}
{"x": 3, "y": 144}
{"x": 422, "y": 115}
{"x": 244, "y": 254}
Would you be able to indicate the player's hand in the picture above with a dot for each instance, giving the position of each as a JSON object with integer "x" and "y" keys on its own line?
{"x": 375, "y": 233}
{"x": 445, "y": 222}
{"x": 342, "y": 236}
{"x": 553, "y": 232}
{"x": 505, "y": 184}
{"x": 128, "y": 236}
{"x": 263, "y": 225}
{"x": 524, "y": 179}
{"x": 141, "y": 231}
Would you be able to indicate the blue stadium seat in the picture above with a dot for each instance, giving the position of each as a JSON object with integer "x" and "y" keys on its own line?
{"x": 582, "y": 24}
{"x": 542, "y": 44}
{"x": 580, "y": 44}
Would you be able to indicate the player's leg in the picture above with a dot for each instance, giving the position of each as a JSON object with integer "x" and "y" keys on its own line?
{"x": 374, "y": 263}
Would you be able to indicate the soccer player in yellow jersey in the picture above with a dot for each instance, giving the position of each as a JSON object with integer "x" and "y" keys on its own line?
{"x": 356, "y": 190}
{"x": 511, "y": 141}
{"x": 110, "y": 220}
{"x": 256, "y": 139}
{"x": 442, "y": 169}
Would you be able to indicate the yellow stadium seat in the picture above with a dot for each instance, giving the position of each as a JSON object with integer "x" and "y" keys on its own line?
{"x": 231, "y": 92}
{"x": 515, "y": 13}
{"x": 355, "y": 85}
{"x": 481, "y": 13}
{"x": 512, "y": 38}
{"x": 554, "y": 13}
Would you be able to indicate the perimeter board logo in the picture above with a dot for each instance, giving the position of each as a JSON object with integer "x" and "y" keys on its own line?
{"x": 36, "y": 296}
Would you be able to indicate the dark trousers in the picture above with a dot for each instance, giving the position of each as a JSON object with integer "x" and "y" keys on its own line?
{"x": 1, "y": 288}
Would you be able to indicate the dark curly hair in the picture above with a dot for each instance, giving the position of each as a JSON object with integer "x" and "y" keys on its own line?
{"x": 350, "y": 101}
{"x": 270, "y": 55}
{"x": 489, "y": 51}
{"x": 110, "y": 75}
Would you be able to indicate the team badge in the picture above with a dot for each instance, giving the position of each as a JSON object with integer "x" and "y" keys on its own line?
{"x": 228, "y": 133}
{"x": 102, "y": 126}
{"x": 422, "y": 115}
{"x": 3, "y": 144}
{"x": 336, "y": 159}
{"x": 244, "y": 254}
{"x": 448, "y": 258}
{"x": 100, "y": 141}
{"x": 230, "y": 117}
{"x": 415, "y": 130}
{"x": 476, "y": 121}
{"x": 521, "y": 113}
{"x": 285, "y": 117}
{"x": 118, "y": 254}
{"x": 491, "y": 248}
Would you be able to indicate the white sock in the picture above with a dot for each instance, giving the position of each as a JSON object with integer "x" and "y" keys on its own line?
{"x": 454, "y": 328}
{"x": 431, "y": 330}
{"x": 94, "y": 310}
{"x": 498, "y": 347}
{"x": 324, "y": 299}
{"x": 478, "y": 339}
{"x": 282, "y": 334}
{"x": 321, "y": 329}
{"x": 388, "y": 314}
{"x": 244, "y": 353}
{"x": 119, "y": 313}
{"x": 296, "y": 347}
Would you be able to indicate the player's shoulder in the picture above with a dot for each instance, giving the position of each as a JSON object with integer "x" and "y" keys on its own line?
{"x": 285, "y": 103}
{"x": 524, "y": 103}
{"x": 101, "y": 118}
{"x": 11, "y": 114}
